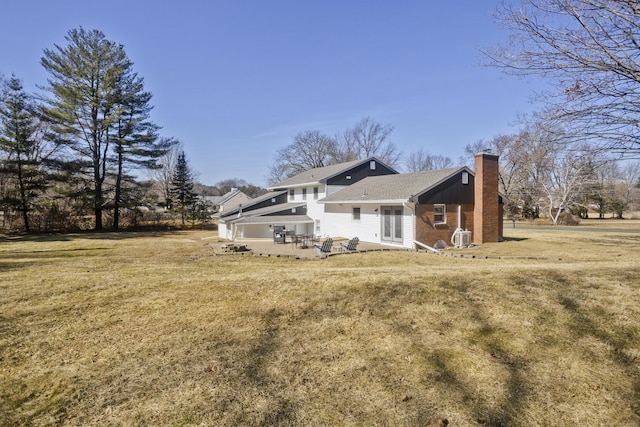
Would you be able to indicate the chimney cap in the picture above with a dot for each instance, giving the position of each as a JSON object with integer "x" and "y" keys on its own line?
{"x": 486, "y": 153}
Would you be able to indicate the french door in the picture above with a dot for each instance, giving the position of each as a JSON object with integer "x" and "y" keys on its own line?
{"x": 392, "y": 223}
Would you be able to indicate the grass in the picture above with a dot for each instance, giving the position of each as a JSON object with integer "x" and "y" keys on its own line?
{"x": 152, "y": 329}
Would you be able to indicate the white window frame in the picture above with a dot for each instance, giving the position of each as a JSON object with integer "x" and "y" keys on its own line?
{"x": 442, "y": 215}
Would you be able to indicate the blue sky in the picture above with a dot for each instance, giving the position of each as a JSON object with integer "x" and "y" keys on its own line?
{"x": 236, "y": 80}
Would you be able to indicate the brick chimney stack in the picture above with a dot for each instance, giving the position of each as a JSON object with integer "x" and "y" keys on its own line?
{"x": 486, "y": 212}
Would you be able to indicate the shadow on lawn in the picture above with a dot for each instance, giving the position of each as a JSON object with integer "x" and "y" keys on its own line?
{"x": 97, "y": 235}
{"x": 621, "y": 340}
{"x": 444, "y": 364}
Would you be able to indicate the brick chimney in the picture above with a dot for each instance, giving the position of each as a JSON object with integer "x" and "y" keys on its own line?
{"x": 486, "y": 211}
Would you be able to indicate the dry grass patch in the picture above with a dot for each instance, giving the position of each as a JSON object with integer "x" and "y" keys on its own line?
{"x": 131, "y": 329}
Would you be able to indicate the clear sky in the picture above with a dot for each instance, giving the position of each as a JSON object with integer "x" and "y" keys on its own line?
{"x": 235, "y": 80}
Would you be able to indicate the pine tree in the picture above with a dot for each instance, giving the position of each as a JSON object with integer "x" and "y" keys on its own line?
{"x": 136, "y": 143}
{"x": 99, "y": 105}
{"x": 182, "y": 194}
{"x": 21, "y": 141}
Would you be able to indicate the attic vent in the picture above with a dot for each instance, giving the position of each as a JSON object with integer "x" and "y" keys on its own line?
{"x": 465, "y": 178}
{"x": 293, "y": 210}
{"x": 348, "y": 176}
{"x": 273, "y": 200}
{"x": 372, "y": 165}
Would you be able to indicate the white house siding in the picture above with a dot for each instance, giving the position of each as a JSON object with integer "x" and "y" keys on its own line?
{"x": 224, "y": 230}
{"x": 408, "y": 227}
{"x": 339, "y": 222}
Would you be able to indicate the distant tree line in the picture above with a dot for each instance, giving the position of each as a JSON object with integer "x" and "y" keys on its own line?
{"x": 578, "y": 153}
{"x": 545, "y": 173}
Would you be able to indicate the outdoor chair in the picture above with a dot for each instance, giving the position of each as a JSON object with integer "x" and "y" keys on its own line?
{"x": 349, "y": 247}
{"x": 325, "y": 247}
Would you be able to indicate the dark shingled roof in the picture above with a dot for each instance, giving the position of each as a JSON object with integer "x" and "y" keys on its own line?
{"x": 398, "y": 187}
{"x": 255, "y": 201}
{"x": 313, "y": 176}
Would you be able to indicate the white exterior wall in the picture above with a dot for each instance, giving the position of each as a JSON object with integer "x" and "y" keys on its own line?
{"x": 224, "y": 230}
{"x": 339, "y": 222}
{"x": 408, "y": 226}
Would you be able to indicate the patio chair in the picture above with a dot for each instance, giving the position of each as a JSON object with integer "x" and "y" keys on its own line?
{"x": 349, "y": 247}
{"x": 325, "y": 247}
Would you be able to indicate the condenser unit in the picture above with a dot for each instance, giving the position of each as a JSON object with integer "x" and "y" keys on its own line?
{"x": 462, "y": 239}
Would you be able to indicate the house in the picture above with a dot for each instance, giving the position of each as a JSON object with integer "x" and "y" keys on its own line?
{"x": 228, "y": 201}
{"x": 374, "y": 202}
{"x": 294, "y": 203}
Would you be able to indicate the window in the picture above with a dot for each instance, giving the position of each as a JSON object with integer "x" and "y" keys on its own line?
{"x": 292, "y": 194}
{"x": 356, "y": 214}
{"x": 372, "y": 165}
{"x": 304, "y": 194}
{"x": 348, "y": 177}
{"x": 439, "y": 214}
{"x": 315, "y": 193}
{"x": 317, "y": 226}
{"x": 465, "y": 178}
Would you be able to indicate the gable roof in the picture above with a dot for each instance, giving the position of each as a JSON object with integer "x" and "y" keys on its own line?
{"x": 393, "y": 188}
{"x": 255, "y": 201}
{"x": 234, "y": 192}
{"x": 318, "y": 175}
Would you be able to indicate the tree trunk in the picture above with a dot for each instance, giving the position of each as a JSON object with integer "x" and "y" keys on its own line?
{"x": 116, "y": 202}
{"x": 23, "y": 198}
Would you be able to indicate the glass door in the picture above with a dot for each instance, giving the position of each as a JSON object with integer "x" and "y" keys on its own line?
{"x": 392, "y": 223}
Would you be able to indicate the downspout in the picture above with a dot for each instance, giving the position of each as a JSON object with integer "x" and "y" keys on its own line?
{"x": 413, "y": 218}
{"x": 459, "y": 229}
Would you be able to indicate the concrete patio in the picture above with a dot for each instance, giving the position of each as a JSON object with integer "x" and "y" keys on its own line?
{"x": 267, "y": 248}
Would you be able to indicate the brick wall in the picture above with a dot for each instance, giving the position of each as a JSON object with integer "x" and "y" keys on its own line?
{"x": 487, "y": 215}
{"x": 429, "y": 233}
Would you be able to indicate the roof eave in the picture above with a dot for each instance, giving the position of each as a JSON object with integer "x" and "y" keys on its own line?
{"x": 364, "y": 201}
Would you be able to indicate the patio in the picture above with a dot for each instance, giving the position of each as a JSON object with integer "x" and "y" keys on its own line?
{"x": 267, "y": 248}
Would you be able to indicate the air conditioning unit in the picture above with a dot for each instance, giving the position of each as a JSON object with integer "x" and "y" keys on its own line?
{"x": 462, "y": 239}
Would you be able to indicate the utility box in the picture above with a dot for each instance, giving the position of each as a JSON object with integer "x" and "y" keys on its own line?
{"x": 462, "y": 239}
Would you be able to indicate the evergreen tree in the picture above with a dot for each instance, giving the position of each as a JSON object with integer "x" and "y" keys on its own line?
{"x": 22, "y": 142}
{"x": 136, "y": 142}
{"x": 182, "y": 194}
{"x": 100, "y": 107}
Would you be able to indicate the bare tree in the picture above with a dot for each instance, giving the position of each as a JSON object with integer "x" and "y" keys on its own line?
{"x": 309, "y": 149}
{"x": 589, "y": 49}
{"x": 422, "y": 160}
{"x": 313, "y": 149}
{"x": 164, "y": 174}
{"x": 366, "y": 139}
